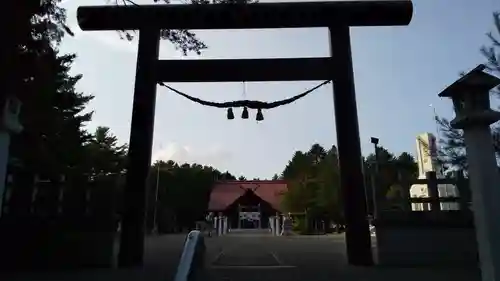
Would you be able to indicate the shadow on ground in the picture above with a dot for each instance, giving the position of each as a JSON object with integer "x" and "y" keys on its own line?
{"x": 256, "y": 258}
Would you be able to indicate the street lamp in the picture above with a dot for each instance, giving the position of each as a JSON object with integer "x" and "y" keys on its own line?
{"x": 471, "y": 102}
{"x": 375, "y": 180}
{"x": 157, "y": 192}
{"x": 155, "y": 226}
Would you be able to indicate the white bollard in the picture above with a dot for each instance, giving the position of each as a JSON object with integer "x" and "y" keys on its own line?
{"x": 225, "y": 226}
{"x": 219, "y": 228}
{"x": 271, "y": 225}
{"x": 216, "y": 225}
{"x": 278, "y": 226}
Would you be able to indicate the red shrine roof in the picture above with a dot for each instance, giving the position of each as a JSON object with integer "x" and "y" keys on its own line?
{"x": 224, "y": 193}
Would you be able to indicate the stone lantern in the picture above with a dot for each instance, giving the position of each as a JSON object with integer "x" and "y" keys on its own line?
{"x": 471, "y": 101}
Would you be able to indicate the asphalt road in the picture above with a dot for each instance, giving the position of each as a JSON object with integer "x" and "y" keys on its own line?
{"x": 257, "y": 257}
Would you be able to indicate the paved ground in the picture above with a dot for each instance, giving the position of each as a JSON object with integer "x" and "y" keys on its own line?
{"x": 311, "y": 258}
{"x": 243, "y": 257}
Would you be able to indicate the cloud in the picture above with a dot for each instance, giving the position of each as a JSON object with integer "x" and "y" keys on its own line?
{"x": 215, "y": 156}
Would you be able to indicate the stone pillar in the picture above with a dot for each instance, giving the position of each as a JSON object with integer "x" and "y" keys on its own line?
{"x": 484, "y": 182}
{"x": 470, "y": 95}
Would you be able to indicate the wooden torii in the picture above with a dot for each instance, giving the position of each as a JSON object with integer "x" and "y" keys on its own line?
{"x": 338, "y": 16}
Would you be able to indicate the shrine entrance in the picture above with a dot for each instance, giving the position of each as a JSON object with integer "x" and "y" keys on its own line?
{"x": 337, "y": 16}
{"x": 249, "y": 217}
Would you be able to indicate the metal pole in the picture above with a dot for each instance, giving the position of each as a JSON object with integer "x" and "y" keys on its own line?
{"x": 376, "y": 182}
{"x": 155, "y": 226}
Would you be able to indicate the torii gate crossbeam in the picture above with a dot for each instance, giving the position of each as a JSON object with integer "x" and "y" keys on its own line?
{"x": 337, "y": 16}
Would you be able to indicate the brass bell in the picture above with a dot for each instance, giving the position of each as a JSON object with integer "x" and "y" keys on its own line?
{"x": 230, "y": 114}
{"x": 260, "y": 116}
{"x": 244, "y": 114}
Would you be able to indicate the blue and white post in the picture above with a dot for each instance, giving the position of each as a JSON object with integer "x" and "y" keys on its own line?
{"x": 9, "y": 124}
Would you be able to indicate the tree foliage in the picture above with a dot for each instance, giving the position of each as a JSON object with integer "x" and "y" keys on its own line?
{"x": 313, "y": 183}
{"x": 104, "y": 155}
{"x": 53, "y": 112}
{"x": 184, "y": 40}
{"x": 183, "y": 193}
{"x": 314, "y": 180}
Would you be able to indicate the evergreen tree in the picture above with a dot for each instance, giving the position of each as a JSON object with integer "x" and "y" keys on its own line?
{"x": 53, "y": 111}
{"x": 103, "y": 154}
{"x": 52, "y": 115}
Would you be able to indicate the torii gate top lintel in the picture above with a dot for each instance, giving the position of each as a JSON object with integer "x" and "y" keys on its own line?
{"x": 246, "y": 16}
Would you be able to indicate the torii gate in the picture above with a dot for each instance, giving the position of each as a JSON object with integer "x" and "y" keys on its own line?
{"x": 337, "y": 16}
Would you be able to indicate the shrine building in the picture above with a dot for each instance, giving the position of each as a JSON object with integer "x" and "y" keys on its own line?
{"x": 247, "y": 204}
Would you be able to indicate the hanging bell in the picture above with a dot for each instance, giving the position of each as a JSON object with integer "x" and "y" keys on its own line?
{"x": 260, "y": 116}
{"x": 244, "y": 114}
{"x": 230, "y": 114}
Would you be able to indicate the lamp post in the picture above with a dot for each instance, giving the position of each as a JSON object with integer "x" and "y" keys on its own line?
{"x": 157, "y": 194}
{"x": 375, "y": 181}
{"x": 155, "y": 225}
{"x": 471, "y": 101}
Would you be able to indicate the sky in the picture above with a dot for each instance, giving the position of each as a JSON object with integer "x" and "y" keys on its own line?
{"x": 398, "y": 73}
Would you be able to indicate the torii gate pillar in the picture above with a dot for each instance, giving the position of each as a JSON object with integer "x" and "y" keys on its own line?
{"x": 338, "y": 16}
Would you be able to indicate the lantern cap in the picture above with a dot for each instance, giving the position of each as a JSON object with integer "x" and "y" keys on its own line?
{"x": 474, "y": 81}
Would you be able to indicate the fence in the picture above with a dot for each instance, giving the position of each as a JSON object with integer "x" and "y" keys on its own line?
{"x": 218, "y": 226}
{"x": 434, "y": 228}
{"x": 432, "y": 199}
{"x": 57, "y": 221}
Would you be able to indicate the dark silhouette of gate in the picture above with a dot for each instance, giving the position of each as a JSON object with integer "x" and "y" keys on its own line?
{"x": 337, "y": 16}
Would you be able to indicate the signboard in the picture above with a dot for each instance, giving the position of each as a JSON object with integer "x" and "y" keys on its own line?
{"x": 251, "y": 216}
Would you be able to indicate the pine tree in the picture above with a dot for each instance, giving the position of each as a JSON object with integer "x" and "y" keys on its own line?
{"x": 53, "y": 120}
{"x": 53, "y": 111}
